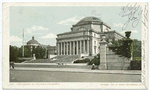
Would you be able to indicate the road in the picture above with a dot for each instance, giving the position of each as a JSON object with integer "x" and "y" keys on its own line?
{"x": 60, "y": 76}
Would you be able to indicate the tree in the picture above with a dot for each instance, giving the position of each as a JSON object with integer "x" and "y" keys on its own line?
{"x": 13, "y": 53}
{"x": 39, "y": 52}
{"x": 27, "y": 51}
{"x": 127, "y": 47}
{"x": 136, "y": 48}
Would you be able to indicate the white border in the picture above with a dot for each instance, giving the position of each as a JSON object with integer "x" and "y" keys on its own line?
{"x": 68, "y": 85}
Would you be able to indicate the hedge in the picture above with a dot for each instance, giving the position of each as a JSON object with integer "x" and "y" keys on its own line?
{"x": 135, "y": 65}
{"x": 95, "y": 61}
{"x": 82, "y": 61}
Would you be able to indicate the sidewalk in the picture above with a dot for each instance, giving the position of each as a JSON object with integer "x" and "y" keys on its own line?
{"x": 76, "y": 70}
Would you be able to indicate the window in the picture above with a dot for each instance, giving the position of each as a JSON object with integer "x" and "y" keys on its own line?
{"x": 95, "y": 49}
{"x": 94, "y": 43}
{"x": 83, "y": 33}
{"x": 94, "y": 35}
{"x": 80, "y": 29}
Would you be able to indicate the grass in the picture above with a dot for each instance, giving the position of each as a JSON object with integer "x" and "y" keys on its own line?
{"x": 137, "y": 58}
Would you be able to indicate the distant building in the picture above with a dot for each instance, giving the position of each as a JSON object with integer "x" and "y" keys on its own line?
{"x": 34, "y": 43}
{"x": 51, "y": 50}
{"x": 84, "y": 37}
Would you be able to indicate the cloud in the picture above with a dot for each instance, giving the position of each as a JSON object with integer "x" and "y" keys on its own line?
{"x": 69, "y": 21}
{"x": 133, "y": 31}
{"x": 15, "y": 39}
{"x": 122, "y": 32}
{"x": 35, "y": 28}
{"x": 50, "y": 35}
{"x": 118, "y": 24}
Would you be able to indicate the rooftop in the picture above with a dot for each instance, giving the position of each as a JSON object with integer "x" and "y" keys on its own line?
{"x": 33, "y": 41}
{"x": 89, "y": 20}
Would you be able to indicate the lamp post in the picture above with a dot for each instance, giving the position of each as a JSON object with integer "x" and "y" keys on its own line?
{"x": 23, "y": 43}
{"x": 31, "y": 51}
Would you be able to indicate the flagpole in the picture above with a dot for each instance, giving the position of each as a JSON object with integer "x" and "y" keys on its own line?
{"x": 23, "y": 44}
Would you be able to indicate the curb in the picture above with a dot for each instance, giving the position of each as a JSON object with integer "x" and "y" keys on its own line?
{"x": 82, "y": 71}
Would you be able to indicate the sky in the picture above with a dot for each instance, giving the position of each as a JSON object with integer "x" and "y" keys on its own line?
{"x": 44, "y": 23}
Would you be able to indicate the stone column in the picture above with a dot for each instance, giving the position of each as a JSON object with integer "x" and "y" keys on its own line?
{"x": 103, "y": 45}
{"x": 64, "y": 48}
{"x": 67, "y": 48}
{"x": 92, "y": 46}
{"x": 73, "y": 47}
{"x": 88, "y": 46}
{"x": 83, "y": 46}
{"x": 70, "y": 47}
{"x": 58, "y": 48}
{"x": 80, "y": 47}
{"x": 61, "y": 49}
{"x": 77, "y": 48}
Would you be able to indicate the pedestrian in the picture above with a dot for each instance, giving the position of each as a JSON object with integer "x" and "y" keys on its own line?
{"x": 12, "y": 64}
{"x": 93, "y": 66}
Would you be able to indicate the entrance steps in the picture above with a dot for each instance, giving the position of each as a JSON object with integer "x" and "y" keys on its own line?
{"x": 64, "y": 59}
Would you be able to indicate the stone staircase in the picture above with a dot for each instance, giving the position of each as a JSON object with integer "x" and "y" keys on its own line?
{"x": 57, "y": 59}
{"x": 64, "y": 59}
{"x": 116, "y": 62}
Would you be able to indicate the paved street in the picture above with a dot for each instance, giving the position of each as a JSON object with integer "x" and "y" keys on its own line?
{"x": 17, "y": 75}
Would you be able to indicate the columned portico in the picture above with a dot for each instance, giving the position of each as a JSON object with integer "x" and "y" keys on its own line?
{"x": 73, "y": 47}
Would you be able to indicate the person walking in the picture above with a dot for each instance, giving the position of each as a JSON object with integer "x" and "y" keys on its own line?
{"x": 12, "y": 64}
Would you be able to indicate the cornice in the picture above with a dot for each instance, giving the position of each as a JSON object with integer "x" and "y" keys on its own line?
{"x": 73, "y": 37}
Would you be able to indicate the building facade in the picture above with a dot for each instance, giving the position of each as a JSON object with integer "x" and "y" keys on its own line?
{"x": 84, "y": 37}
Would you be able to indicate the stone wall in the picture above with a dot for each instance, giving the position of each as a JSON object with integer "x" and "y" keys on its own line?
{"x": 116, "y": 62}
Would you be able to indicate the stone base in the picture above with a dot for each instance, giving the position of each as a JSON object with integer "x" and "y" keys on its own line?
{"x": 103, "y": 67}
{"x": 34, "y": 58}
{"x": 126, "y": 66}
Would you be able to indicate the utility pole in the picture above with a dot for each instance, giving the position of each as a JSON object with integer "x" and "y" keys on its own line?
{"x": 23, "y": 43}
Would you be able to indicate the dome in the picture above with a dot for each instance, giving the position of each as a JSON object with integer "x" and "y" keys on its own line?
{"x": 32, "y": 41}
{"x": 87, "y": 20}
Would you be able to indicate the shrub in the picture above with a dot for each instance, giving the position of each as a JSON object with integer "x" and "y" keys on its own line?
{"x": 82, "y": 61}
{"x": 135, "y": 65}
{"x": 95, "y": 61}
{"x": 98, "y": 56}
{"x": 95, "y": 57}
{"x": 79, "y": 61}
{"x": 87, "y": 60}
{"x": 90, "y": 54}
{"x": 137, "y": 58}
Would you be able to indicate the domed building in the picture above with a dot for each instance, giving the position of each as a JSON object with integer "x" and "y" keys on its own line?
{"x": 84, "y": 37}
{"x": 33, "y": 42}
